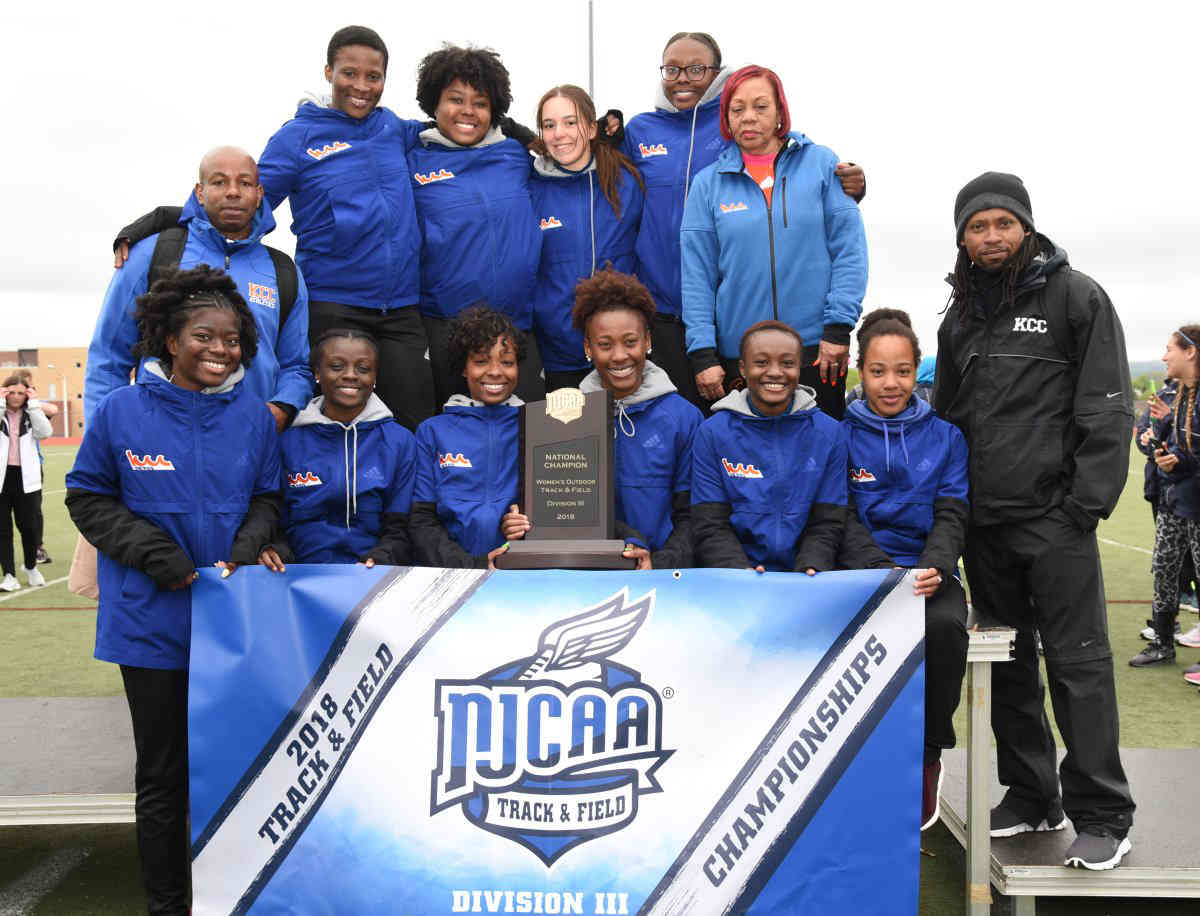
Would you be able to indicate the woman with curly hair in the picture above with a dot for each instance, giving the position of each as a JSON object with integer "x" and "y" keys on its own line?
{"x": 471, "y": 185}
{"x": 467, "y": 456}
{"x": 588, "y": 199}
{"x": 176, "y": 472}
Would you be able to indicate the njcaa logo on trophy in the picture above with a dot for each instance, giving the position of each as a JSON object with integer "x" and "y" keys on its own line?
{"x": 565, "y": 404}
{"x": 554, "y": 749}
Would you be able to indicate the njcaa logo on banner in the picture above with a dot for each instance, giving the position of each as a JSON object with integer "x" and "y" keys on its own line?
{"x": 554, "y": 749}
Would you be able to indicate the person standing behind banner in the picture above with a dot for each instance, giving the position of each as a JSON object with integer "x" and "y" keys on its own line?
{"x": 467, "y": 456}
{"x": 588, "y": 198}
{"x": 768, "y": 233}
{"x": 768, "y": 467}
{"x": 670, "y": 146}
{"x": 471, "y": 187}
{"x": 908, "y": 491}
{"x": 347, "y": 466}
{"x": 176, "y": 472}
{"x": 21, "y": 425}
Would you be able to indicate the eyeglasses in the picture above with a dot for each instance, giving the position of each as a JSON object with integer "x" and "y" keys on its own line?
{"x": 694, "y": 72}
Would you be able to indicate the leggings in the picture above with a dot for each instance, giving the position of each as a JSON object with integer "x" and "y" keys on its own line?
{"x": 1174, "y": 539}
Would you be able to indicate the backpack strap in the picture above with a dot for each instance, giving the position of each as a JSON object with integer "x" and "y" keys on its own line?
{"x": 168, "y": 250}
{"x": 285, "y": 278}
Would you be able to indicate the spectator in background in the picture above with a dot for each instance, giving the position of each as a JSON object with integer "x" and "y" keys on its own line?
{"x": 22, "y": 424}
{"x": 50, "y": 409}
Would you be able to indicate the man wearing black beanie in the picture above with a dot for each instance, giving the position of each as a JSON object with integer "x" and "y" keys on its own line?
{"x": 1032, "y": 368}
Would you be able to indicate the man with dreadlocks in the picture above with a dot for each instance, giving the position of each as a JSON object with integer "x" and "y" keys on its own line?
{"x": 1032, "y": 368}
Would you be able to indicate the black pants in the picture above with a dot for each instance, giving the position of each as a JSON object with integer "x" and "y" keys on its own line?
{"x": 24, "y": 508}
{"x": 566, "y": 378}
{"x": 830, "y": 398}
{"x": 1044, "y": 574}
{"x": 945, "y": 664}
{"x": 530, "y": 385}
{"x": 669, "y": 353}
{"x": 405, "y": 381}
{"x": 158, "y": 707}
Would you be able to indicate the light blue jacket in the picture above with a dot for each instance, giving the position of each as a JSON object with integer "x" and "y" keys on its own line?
{"x": 801, "y": 260}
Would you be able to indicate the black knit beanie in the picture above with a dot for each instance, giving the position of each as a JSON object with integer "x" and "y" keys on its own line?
{"x": 992, "y": 189}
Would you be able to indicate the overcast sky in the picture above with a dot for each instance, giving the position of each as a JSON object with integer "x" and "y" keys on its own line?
{"x": 1093, "y": 104}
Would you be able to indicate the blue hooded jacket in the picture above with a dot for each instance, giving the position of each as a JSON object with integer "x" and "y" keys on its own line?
{"x": 339, "y": 480}
{"x": 1179, "y": 488}
{"x": 652, "y": 455}
{"x": 189, "y": 462}
{"x": 899, "y": 467}
{"x": 581, "y": 233}
{"x": 467, "y": 467}
{"x": 670, "y": 147}
{"x": 770, "y": 471}
{"x": 481, "y": 238}
{"x": 346, "y": 180}
{"x": 802, "y": 260}
{"x": 279, "y": 371}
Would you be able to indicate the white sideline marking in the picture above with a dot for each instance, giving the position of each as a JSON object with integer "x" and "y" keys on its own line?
{"x": 52, "y": 492}
{"x": 24, "y": 592}
{"x": 22, "y": 895}
{"x": 1148, "y": 553}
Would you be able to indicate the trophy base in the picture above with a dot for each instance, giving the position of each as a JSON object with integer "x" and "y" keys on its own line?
{"x": 561, "y": 553}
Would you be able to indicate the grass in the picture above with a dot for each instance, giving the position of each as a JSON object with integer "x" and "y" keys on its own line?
{"x": 46, "y": 650}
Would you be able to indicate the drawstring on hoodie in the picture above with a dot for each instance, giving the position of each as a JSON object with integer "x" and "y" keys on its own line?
{"x": 887, "y": 445}
{"x": 351, "y": 483}
{"x": 622, "y": 419}
{"x": 687, "y": 175}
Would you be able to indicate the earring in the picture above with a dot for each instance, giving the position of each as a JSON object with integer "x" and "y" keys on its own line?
{"x": 587, "y": 356}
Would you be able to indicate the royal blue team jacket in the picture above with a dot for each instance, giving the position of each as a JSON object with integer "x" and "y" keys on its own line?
{"x": 903, "y": 470}
{"x": 765, "y": 477}
{"x": 189, "y": 462}
{"x": 279, "y": 371}
{"x": 581, "y": 233}
{"x": 670, "y": 147}
{"x": 347, "y": 183}
{"x": 339, "y": 481}
{"x": 802, "y": 260}
{"x": 481, "y": 239}
{"x": 467, "y": 471}
{"x": 652, "y": 459}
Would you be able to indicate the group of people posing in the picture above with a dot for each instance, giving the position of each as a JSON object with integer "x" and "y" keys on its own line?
{"x": 717, "y": 266}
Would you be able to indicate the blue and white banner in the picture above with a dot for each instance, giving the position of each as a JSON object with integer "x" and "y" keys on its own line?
{"x": 428, "y": 741}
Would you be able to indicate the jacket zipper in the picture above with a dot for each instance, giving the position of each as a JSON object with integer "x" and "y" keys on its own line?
{"x": 785, "y": 201}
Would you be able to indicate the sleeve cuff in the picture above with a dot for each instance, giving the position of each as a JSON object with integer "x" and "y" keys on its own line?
{"x": 289, "y": 409}
{"x": 837, "y": 334}
{"x": 704, "y": 358}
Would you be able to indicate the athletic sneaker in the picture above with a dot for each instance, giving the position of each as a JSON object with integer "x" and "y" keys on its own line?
{"x": 1187, "y": 602}
{"x": 1155, "y": 653}
{"x": 42, "y": 556}
{"x": 9, "y": 583}
{"x": 1148, "y": 633}
{"x": 1097, "y": 849}
{"x": 1190, "y": 639}
{"x": 1006, "y": 822}
{"x": 931, "y": 794}
{"x": 35, "y": 578}
{"x": 1192, "y": 669}
{"x": 1192, "y": 677}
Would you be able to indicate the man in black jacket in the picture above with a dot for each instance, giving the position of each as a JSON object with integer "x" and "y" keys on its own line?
{"x": 1032, "y": 368}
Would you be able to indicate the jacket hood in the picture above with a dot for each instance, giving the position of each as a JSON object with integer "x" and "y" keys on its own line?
{"x": 1049, "y": 259}
{"x": 263, "y": 223}
{"x": 655, "y": 383}
{"x": 463, "y": 400}
{"x": 730, "y": 159}
{"x": 803, "y": 399}
{"x": 317, "y": 106}
{"x": 431, "y": 136}
{"x": 152, "y": 367}
{"x": 546, "y": 167}
{"x": 312, "y": 415}
{"x": 916, "y": 413}
{"x": 711, "y": 94}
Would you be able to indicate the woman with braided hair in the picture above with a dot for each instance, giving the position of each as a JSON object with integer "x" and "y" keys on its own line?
{"x": 1175, "y": 439}
{"x": 176, "y": 472}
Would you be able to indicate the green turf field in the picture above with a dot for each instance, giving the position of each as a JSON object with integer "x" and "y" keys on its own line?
{"x": 46, "y": 645}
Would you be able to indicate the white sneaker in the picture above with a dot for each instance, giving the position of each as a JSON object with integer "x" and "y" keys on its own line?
{"x": 35, "y": 578}
{"x": 1190, "y": 639}
{"x": 9, "y": 583}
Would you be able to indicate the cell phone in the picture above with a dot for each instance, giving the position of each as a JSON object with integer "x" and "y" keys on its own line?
{"x": 1155, "y": 444}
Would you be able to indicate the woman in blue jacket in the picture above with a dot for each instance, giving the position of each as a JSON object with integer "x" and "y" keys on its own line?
{"x": 769, "y": 468}
{"x": 467, "y": 456}
{"x": 768, "y": 233}
{"x": 671, "y": 145}
{"x": 908, "y": 485}
{"x": 471, "y": 186}
{"x": 348, "y": 466}
{"x": 587, "y": 198}
{"x": 176, "y": 472}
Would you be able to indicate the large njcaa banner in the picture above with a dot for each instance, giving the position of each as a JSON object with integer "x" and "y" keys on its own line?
{"x": 428, "y": 741}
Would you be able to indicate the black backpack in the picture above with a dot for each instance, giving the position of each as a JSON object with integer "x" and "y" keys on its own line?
{"x": 168, "y": 250}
